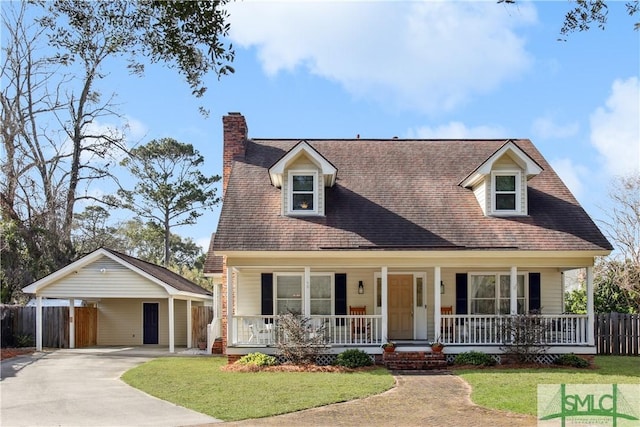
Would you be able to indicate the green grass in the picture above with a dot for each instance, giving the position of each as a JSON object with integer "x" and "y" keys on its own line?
{"x": 515, "y": 390}
{"x": 199, "y": 384}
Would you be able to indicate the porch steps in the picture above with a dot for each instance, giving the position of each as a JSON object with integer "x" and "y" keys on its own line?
{"x": 413, "y": 360}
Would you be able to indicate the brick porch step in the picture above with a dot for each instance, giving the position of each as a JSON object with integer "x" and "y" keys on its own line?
{"x": 413, "y": 360}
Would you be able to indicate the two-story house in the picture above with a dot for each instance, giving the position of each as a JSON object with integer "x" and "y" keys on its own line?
{"x": 396, "y": 239}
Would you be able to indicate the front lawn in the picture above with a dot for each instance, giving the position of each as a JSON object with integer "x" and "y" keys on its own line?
{"x": 515, "y": 390}
{"x": 199, "y": 384}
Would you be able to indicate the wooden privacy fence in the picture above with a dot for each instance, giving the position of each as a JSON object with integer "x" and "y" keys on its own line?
{"x": 618, "y": 333}
{"x": 19, "y": 326}
{"x": 200, "y": 318}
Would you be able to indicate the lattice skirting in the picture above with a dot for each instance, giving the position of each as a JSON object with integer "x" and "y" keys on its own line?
{"x": 321, "y": 359}
{"x": 543, "y": 359}
{"x": 325, "y": 359}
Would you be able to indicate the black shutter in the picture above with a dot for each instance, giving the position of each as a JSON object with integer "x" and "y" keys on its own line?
{"x": 534, "y": 292}
{"x": 340, "y": 307}
{"x": 267, "y": 294}
{"x": 461, "y": 293}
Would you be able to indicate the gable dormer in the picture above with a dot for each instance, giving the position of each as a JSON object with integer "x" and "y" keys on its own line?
{"x": 302, "y": 175}
{"x": 500, "y": 182}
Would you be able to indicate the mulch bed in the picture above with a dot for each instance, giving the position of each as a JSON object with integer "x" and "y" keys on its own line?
{"x": 8, "y": 353}
{"x": 237, "y": 367}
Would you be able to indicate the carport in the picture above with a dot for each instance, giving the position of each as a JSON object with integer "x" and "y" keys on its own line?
{"x": 137, "y": 303}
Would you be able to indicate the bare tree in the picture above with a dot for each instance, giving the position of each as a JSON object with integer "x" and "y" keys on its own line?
{"x": 50, "y": 141}
{"x": 622, "y": 227}
{"x": 51, "y": 105}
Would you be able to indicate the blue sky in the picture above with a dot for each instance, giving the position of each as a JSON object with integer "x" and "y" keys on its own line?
{"x": 412, "y": 70}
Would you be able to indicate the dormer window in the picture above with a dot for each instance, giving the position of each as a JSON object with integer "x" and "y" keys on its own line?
{"x": 303, "y": 192}
{"x": 303, "y": 174}
{"x": 506, "y": 189}
{"x": 500, "y": 182}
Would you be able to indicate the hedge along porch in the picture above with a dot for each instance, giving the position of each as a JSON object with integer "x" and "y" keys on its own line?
{"x": 138, "y": 302}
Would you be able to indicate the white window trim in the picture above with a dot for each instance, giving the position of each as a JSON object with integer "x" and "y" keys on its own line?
{"x": 316, "y": 208}
{"x": 518, "y": 193}
{"x": 496, "y": 296}
{"x": 304, "y": 296}
{"x": 332, "y": 287}
{"x": 275, "y": 290}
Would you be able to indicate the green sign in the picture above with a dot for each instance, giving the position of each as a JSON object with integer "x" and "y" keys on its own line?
{"x": 589, "y": 404}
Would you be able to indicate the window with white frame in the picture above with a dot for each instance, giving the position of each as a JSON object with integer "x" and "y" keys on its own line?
{"x": 321, "y": 293}
{"x": 490, "y": 293}
{"x": 303, "y": 194}
{"x": 289, "y": 295}
{"x": 288, "y": 292}
{"x": 505, "y": 192}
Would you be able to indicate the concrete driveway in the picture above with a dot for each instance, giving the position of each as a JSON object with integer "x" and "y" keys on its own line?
{"x": 83, "y": 388}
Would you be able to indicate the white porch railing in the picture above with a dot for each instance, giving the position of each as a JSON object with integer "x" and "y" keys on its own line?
{"x": 338, "y": 330}
{"x": 551, "y": 329}
{"x": 560, "y": 329}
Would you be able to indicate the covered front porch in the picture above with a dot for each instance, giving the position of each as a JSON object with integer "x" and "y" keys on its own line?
{"x": 465, "y": 308}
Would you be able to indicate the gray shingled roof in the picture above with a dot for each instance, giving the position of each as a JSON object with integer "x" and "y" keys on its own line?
{"x": 398, "y": 194}
{"x": 167, "y": 276}
{"x": 213, "y": 263}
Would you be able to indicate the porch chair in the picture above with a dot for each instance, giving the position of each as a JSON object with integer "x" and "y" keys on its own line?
{"x": 360, "y": 328}
{"x": 261, "y": 332}
{"x": 446, "y": 329}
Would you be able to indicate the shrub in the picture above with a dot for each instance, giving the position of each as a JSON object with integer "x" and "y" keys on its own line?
{"x": 24, "y": 340}
{"x": 571, "y": 360}
{"x": 523, "y": 336}
{"x": 300, "y": 339}
{"x": 353, "y": 358}
{"x": 474, "y": 358}
{"x": 258, "y": 359}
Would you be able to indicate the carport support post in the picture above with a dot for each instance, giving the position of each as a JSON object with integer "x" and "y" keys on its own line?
{"x": 72, "y": 328}
{"x": 189, "y": 335}
{"x": 171, "y": 326}
{"x": 39, "y": 323}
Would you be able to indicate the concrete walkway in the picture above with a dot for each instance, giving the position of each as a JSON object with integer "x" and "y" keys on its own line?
{"x": 434, "y": 399}
{"x": 83, "y": 388}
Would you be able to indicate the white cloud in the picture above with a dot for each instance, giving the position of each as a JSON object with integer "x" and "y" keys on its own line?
{"x": 615, "y": 128}
{"x": 430, "y": 56}
{"x": 456, "y": 130}
{"x": 547, "y": 128}
{"x": 571, "y": 174}
{"x": 135, "y": 130}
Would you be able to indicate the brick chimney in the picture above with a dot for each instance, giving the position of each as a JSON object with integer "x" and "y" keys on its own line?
{"x": 234, "y": 128}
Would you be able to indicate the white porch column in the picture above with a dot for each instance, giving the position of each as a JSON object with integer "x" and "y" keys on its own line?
{"x": 437, "y": 303}
{"x": 307, "y": 292}
{"x": 230, "y": 336}
{"x": 385, "y": 298}
{"x": 590, "y": 314}
{"x": 513, "y": 285}
{"x": 72, "y": 323}
{"x": 217, "y": 292}
{"x": 39, "y": 323}
{"x": 189, "y": 325}
{"x": 171, "y": 326}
